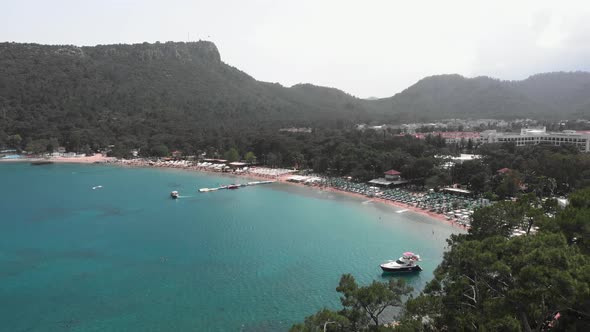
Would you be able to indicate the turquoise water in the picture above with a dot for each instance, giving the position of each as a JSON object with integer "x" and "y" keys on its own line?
{"x": 126, "y": 257}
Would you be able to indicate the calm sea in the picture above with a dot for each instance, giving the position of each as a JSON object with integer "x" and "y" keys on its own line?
{"x": 126, "y": 257}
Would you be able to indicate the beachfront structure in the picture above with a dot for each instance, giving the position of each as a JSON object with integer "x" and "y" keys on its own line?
{"x": 391, "y": 178}
{"x": 237, "y": 164}
{"x": 453, "y": 137}
{"x": 534, "y": 136}
{"x": 215, "y": 161}
{"x": 392, "y": 175}
{"x": 527, "y": 136}
{"x": 457, "y": 191}
{"x": 453, "y": 160}
{"x": 296, "y": 130}
{"x": 304, "y": 179}
{"x": 465, "y": 157}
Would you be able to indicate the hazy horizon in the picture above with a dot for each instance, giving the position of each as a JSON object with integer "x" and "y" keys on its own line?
{"x": 372, "y": 49}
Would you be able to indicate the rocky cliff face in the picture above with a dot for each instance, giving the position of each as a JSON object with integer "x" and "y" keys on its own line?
{"x": 189, "y": 83}
{"x": 193, "y": 51}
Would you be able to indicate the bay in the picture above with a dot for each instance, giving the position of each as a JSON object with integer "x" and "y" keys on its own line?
{"x": 126, "y": 257}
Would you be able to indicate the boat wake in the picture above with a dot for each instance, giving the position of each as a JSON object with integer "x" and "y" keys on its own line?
{"x": 96, "y": 187}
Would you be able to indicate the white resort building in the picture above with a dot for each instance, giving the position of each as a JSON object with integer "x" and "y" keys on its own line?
{"x": 533, "y": 136}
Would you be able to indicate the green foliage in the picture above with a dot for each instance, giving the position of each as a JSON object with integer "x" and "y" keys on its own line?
{"x": 14, "y": 141}
{"x": 101, "y": 95}
{"x": 454, "y": 96}
{"x": 231, "y": 155}
{"x": 574, "y": 221}
{"x": 463, "y": 172}
{"x": 184, "y": 94}
{"x": 41, "y": 145}
{"x": 545, "y": 169}
{"x": 298, "y": 160}
{"x": 498, "y": 219}
{"x": 250, "y": 158}
{"x": 160, "y": 150}
{"x": 508, "y": 186}
{"x": 438, "y": 180}
{"x": 490, "y": 282}
{"x": 362, "y": 306}
{"x": 323, "y": 320}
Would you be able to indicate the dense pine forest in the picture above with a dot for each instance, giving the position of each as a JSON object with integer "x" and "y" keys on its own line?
{"x": 161, "y": 97}
{"x": 487, "y": 281}
{"x": 181, "y": 95}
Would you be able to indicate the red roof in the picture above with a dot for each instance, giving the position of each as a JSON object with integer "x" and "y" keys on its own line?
{"x": 392, "y": 172}
{"x": 450, "y": 134}
{"x": 503, "y": 170}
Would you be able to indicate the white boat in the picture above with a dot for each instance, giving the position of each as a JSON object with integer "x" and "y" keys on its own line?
{"x": 174, "y": 194}
{"x": 406, "y": 263}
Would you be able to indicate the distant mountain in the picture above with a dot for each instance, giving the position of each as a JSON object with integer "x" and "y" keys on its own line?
{"x": 561, "y": 92}
{"x": 552, "y": 95}
{"x": 183, "y": 89}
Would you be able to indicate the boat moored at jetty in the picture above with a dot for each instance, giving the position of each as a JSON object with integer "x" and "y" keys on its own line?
{"x": 235, "y": 186}
{"x": 406, "y": 263}
{"x": 174, "y": 194}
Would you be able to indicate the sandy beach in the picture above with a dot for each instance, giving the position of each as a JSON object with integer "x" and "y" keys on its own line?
{"x": 284, "y": 179}
{"x": 97, "y": 158}
{"x": 414, "y": 209}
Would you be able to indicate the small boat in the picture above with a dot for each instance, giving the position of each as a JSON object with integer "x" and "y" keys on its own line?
{"x": 406, "y": 263}
{"x": 174, "y": 194}
{"x": 233, "y": 186}
{"x": 41, "y": 163}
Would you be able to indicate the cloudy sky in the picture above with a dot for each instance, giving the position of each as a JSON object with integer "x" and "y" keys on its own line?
{"x": 367, "y": 48}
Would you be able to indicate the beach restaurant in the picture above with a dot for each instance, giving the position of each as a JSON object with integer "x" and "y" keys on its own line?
{"x": 303, "y": 179}
{"x": 391, "y": 178}
{"x": 457, "y": 191}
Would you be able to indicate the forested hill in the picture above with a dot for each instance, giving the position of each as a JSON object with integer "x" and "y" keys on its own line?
{"x": 544, "y": 96}
{"x": 169, "y": 86}
{"x": 134, "y": 92}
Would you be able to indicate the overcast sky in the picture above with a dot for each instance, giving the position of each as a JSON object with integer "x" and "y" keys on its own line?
{"x": 366, "y": 48}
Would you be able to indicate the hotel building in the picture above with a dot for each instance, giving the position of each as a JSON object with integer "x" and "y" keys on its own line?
{"x": 533, "y": 136}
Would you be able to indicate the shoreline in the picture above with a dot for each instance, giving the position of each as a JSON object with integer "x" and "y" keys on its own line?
{"x": 283, "y": 179}
{"x": 436, "y": 216}
{"x": 103, "y": 160}
{"x": 97, "y": 158}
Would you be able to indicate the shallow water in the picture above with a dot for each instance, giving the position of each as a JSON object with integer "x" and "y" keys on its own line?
{"x": 126, "y": 257}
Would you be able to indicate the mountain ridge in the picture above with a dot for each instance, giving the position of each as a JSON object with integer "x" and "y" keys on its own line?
{"x": 144, "y": 89}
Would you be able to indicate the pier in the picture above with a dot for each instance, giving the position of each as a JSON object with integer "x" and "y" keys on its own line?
{"x": 235, "y": 186}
